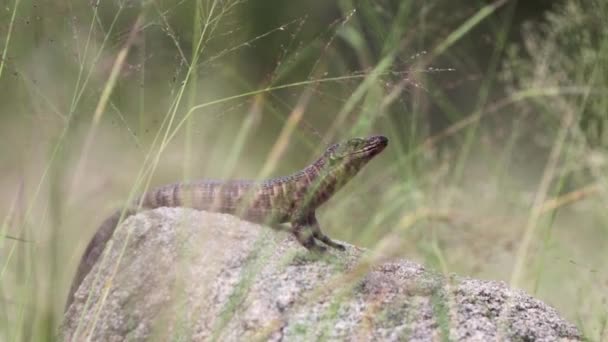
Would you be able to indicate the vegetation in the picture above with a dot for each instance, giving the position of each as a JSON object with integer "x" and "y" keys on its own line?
{"x": 496, "y": 116}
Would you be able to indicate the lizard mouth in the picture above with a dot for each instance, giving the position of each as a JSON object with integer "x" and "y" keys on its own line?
{"x": 375, "y": 145}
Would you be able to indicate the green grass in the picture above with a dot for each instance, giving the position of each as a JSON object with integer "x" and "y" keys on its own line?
{"x": 496, "y": 166}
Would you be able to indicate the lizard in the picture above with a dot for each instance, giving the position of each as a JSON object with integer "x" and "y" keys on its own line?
{"x": 292, "y": 199}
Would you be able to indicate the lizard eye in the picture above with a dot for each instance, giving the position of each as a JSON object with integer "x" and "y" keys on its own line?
{"x": 356, "y": 141}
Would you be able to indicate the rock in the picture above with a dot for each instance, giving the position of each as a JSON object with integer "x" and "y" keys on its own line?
{"x": 181, "y": 274}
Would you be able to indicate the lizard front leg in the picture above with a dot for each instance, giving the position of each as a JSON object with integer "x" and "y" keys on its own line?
{"x": 307, "y": 229}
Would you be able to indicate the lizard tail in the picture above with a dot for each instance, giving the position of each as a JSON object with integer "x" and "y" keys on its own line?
{"x": 94, "y": 250}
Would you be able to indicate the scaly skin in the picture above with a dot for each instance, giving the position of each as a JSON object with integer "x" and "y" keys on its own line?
{"x": 292, "y": 199}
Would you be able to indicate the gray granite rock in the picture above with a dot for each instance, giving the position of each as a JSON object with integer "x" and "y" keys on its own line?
{"x": 180, "y": 274}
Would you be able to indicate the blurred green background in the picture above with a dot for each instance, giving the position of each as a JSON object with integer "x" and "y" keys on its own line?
{"x": 495, "y": 111}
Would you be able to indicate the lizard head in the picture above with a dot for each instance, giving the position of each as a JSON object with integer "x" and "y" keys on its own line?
{"x": 338, "y": 165}
{"x": 354, "y": 153}
{"x": 342, "y": 161}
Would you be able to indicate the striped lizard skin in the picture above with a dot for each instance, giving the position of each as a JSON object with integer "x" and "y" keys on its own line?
{"x": 293, "y": 199}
